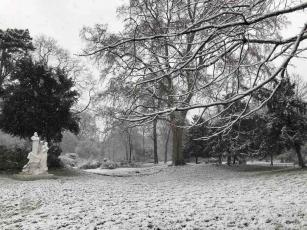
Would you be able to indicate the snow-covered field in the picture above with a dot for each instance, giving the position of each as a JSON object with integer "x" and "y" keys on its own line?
{"x": 149, "y": 169}
{"x": 189, "y": 197}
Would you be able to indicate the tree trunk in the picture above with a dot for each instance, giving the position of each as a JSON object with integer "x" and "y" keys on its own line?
{"x": 300, "y": 159}
{"x": 2, "y": 61}
{"x": 166, "y": 145}
{"x": 177, "y": 146}
{"x": 130, "y": 147}
{"x": 113, "y": 152}
{"x": 144, "y": 158}
{"x": 220, "y": 159}
{"x": 196, "y": 159}
{"x": 271, "y": 158}
{"x": 234, "y": 159}
{"x": 228, "y": 160}
{"x": 156, "y": 160}
{"x": 130, "y": 154}
{"x": 126, "y": 142}
{"x": 177, "y": 156}
{"x": 127, "y": 154}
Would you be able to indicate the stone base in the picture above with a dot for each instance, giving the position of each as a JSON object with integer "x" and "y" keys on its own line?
{"x": 29, "y": 177}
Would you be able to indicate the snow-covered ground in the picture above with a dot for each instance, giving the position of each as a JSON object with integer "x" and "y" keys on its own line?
{"x": 189, "y": 197}
{"x": 269, "y": 163}
{"x": 146, "y": 169}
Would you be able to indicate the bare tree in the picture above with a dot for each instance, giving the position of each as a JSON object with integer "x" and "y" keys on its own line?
{"x": 165, "y": 134}
{"x": 49, "y": 52}
{"x": 187, "y": 54}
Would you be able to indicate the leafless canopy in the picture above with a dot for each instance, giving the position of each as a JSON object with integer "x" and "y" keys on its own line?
{"x": 194, "y": 55}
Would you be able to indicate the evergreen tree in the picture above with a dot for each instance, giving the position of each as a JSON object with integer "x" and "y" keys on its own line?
{"x": 194, "y": 147}
{"x": 14, "y": 45}
{"x": 283, "y": 125}
{"x": 287, "y": 116}
{"x": 39, "y": 99}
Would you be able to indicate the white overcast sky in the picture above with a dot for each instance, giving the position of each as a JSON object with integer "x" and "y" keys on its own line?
{"x": 60, "y": 19}
{"x": 63, "y": 20}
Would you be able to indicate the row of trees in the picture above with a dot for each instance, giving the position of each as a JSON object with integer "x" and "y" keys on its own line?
{"x": 140, "y": 143}
{"x": 280, "y": 125}
{"x": 222, "y": 59}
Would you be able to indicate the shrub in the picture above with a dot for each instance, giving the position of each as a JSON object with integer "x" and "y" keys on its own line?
{"x": 13, "y": 158}
{"x": 91, "y": 164}
{"x": 108, "y": 164}
{"x": 53, "y": 160}
{"x": 69, "y": 160}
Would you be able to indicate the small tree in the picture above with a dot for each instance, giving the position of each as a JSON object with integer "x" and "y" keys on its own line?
{"x": 194, "y": 147}
{"x": 293, "y": 119}
{"x": 283, "y": 124}
{"x": 39, "y": 99}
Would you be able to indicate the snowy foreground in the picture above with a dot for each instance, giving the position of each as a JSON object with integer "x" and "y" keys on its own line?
{"x": 189, "y": 197}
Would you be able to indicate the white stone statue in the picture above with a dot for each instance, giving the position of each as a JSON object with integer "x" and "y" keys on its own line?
{"x": 43, "y": 162}
{"x": 37, "y": 163}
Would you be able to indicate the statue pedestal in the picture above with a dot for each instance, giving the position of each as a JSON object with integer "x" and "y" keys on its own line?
{"x": 29, "y": 177}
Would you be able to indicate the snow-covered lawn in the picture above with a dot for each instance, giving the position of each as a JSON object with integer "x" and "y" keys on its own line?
{"x": 189, "y": 197}
{"x": 146, "y": 169}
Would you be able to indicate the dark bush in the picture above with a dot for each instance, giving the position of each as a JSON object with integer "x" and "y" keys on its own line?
{"x": 13, "y": 158}
{"x": 53, "y": 160}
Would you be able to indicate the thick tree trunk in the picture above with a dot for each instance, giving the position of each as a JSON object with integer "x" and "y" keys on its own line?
{"x": 166, "y": 145}
{"x": 177, "y": 119}
{"x": 177, "y": 146}
{"x": 300, "y": 159}
{"x": 156, "y": 160}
